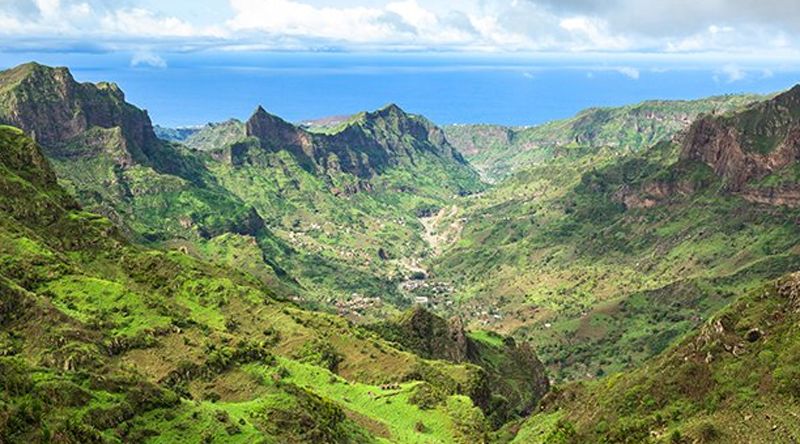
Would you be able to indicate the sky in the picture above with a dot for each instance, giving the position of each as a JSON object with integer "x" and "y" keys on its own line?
{"x": 763, "y": 28}
{"x": 609, "y": 51}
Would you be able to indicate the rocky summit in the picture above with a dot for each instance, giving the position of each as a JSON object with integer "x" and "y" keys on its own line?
{"x": 365, "y": 145}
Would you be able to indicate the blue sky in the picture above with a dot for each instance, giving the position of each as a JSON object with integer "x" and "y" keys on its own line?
{"x": 764, "y": 29}
{"x": 501, "y": 61}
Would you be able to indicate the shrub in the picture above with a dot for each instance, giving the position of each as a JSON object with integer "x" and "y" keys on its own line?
{"x": 320, "y": 352}
{"x": 468, "y": 421}
{"x": 426, "y": 396}
{"x": 707, "y": 432}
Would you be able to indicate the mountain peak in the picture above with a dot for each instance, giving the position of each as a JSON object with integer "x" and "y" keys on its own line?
{"x": 261, "y": 119}
{"x": 48, "y": 104}
{"x": 35, "y": 73}
{"x": 392, "y": 108}
{"x": 389, "y": 111}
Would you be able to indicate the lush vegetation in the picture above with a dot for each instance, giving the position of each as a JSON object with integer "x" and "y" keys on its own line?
{"x": 604, "y": 258}
{"x": 160, "y": 291}
{"x": 103, "y": 341}
{"x": 498, "y": 152}
{"x": 734, "y": 380}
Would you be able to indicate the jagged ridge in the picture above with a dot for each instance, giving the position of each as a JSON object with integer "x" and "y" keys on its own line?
{"x": 365, "y": 146}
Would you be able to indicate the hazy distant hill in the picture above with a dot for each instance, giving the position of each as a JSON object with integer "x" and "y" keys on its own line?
{"x": 498, "y": 151}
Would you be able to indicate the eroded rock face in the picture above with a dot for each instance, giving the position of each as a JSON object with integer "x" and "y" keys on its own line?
{"x": 458, "y": 338}
{"x": 789, "y": 288}
{"x": 364, "y": 147}
{"x": 721, "y": 145}
{"x": 50, "y": 105}
{"x": 741, "y": 149}
{"x": 433, "y": 337}
{"x": 276, "y": 134}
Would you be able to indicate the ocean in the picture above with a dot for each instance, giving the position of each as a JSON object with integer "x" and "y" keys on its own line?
{"x": 195, "y": 88}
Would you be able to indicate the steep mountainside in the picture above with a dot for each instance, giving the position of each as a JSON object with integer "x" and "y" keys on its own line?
{"x": 51, "y": 106}
{"x": 735, "y": 380}
{"x": 754, "y": 153}
{"x": 515, "y": 375}
{"x": 364, "y": 146}
{"x": 103, "y": 341}
{"x": 333, "y": 215}
{"x": 107, "y": 154}
{"x": 351, "y": 196}
{"x": 498, "y": 151}
{"x": 603, "y": 259}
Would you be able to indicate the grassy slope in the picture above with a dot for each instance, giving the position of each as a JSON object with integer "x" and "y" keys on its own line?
{"x": 340, "y": 235}
{"x": 498, "y": 152}
{"x": 322, "y": 240}
{"x": 734, "y": 380}
{"x": 600, "y": 287}
{"x": 103, "y": 341}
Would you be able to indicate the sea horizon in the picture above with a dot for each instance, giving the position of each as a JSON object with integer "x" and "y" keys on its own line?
{"x": 184, "y": 90}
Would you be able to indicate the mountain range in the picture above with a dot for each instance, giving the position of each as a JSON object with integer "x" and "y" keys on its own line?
{"x": 621, "y": 276}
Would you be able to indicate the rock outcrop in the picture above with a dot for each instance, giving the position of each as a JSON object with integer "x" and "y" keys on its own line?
{"x": 750, "y": 152}
{"x": 745, "y": 147}
{"x": 365, "y": 146}
{"x": 513, "y": 370}
{"x": 48, "y": 104}
{"x": 789, "y": 288}
{"x": 433, "y": 337}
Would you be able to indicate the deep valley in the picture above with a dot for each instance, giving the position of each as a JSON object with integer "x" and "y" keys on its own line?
{"x": 625, "y": 275}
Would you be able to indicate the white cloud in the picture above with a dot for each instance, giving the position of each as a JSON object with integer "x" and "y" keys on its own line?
{"x": 144, "y": 23}
{"x": 146, "y": 58}
{"x": 560, "y": 26}
{"x": 49, "y": 8}
{"x": 733, "y": 73}
{"x": 592, "y": 33}
{"x": 290, "y": 18}
{"x": 402, "y": 23}
{"x": 627, "y": 71}
{"x": 413, "y": 14}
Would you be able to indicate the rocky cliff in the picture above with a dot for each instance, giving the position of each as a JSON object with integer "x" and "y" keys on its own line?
{"x": 54, "y": 109}
{"x": 364, "y": 146}
{"x": 745, "y": 147}
{"x": 751, "y": 153}
{"x": 105, "y": 151}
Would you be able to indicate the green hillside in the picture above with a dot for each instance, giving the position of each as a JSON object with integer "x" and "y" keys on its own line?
{"x": 625, "y": 277}
{"x": 603, "y": 259}
{"x": 104, "y": 341}
{"x": 498, "y": 152}
{"x": 335, "y": 226}
{"x": 734, "y": 380}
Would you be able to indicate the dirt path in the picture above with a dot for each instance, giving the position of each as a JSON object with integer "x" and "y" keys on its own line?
{"x": 437, "y": 233}
{"x": 437, "y": 236}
